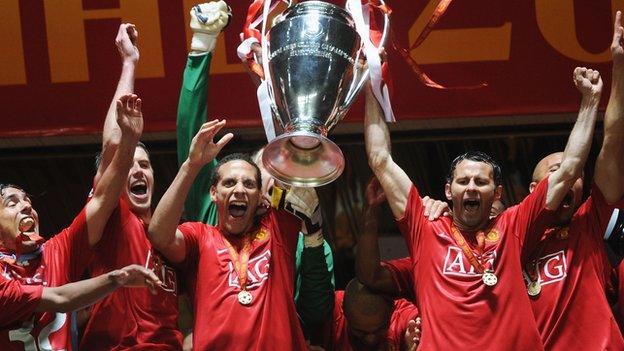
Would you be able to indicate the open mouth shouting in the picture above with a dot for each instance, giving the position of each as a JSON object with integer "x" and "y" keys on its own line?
{"x": 27, "y": 224}
{"x": 471, "y": 205}
{"x": 28, "y": 238}
{"x": 139, "y": 190}
{"x": 237, "y": 209}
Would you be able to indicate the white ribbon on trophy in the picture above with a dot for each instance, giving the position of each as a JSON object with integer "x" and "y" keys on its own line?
{"x": 361, "y": 18}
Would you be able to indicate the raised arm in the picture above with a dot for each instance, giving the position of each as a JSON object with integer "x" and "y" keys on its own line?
{"x": 610, "y": 163}
{"x": 207, "y": 21}
{"x": 129, "y": 119}
{"x": 589, "y": 83}
{"x": 368, "y": 265}
{"x": 163, "y": 232}
{"x": 111, "y": 135}
{"x": 73, "y": 296}
{"x": 392, "y": 178}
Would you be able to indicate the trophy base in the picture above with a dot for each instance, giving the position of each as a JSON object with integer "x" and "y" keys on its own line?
{"x": 303, "y": 159}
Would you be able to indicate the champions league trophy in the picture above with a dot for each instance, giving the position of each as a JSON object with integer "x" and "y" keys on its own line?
{"x": 315, "y": 70}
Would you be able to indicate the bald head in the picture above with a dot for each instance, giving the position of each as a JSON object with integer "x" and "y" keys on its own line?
{"x": 359, "y": 300}
{"x": 545, "y": 165}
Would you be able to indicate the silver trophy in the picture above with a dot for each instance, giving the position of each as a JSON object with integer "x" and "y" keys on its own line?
{"x": 316, "y": 68}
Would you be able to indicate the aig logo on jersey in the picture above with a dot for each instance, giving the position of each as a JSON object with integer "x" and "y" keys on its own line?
{"x": 257, "y": 271}
{"x": 166, "y": 274}
{"x": 552, "y": 268}
{"x": 456, "y": 264}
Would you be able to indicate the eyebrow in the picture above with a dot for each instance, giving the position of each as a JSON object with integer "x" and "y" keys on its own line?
{"x": 9, "y": 197}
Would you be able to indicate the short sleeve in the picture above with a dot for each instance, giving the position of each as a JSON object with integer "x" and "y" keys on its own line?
{"x": 288, "y": 227}
{"x": 404, "y": 311}
{"x": 411, "y": 222}
{"x": 17, "y": 301}
{"x": 192, "y": 232}
{"x": 531, "y": 218}
{"x": 402, "y": 275}
{"x": 70, "y": 249}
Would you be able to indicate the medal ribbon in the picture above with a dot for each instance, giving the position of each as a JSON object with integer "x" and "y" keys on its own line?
{"x": 422, "y": 76}
{"x": 250, "y": 34}
{"x": 240, "y": 264}
{"x": 459, "y": 240}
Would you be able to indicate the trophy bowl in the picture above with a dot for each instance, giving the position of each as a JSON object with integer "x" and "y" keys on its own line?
{"x": 316, "y": 70}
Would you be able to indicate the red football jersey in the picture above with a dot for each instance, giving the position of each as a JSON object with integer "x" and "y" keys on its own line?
{"x": 457, "y": 308}
{"x": 403, "y": 312}
{"x": 618, "y": 280}
{"x": 63, "y": 259}
{"x": 221, "y": 323}
{"x": 572, "y": 311}
{"x": 132, "y": 318}
{"x": 17, "y": 301}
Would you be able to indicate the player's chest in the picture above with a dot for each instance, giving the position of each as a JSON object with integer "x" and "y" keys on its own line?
{"x": 564, "y": 253}
{"x": 454, "y": 256}
{"x": 253, "y": 264}
{"x": 33, "y": 271}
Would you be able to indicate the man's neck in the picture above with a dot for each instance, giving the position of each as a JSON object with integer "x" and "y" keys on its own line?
{"x": 145, "y": 217}
{"x": 470, "y": 229}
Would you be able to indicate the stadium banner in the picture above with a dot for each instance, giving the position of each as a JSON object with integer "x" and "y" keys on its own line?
{"x": 59, "y": 65}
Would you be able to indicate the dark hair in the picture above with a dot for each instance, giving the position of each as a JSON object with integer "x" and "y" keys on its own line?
{"x": 9, "y": 185}
{"x": 233, "y": 157}
{"x": 476, "y": 156}
{"x": 98, "y": 156}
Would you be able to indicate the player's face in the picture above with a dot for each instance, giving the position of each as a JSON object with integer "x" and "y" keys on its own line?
{"x": 237, "y": 195}
{"x": 15, "y": 206}
{"x": 547, "y": 166}
{"x": 368, "y": 332}
{"x": 140, "y": 183}
{"x": 472, "y": 192}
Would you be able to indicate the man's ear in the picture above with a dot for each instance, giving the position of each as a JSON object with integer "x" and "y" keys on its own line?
{"x": 213, "y": 194}
{"x": 498, "y": 193}
{"x": 447, "y": 191}
{"x": 532, "y": 186}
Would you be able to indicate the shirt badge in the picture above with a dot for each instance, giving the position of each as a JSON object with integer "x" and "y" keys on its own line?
{"x": 492, "y": 237}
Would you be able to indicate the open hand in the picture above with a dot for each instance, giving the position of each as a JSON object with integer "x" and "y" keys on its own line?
{"x": 412, "y": 335}
{"x": 435, "y": 208}
{"x": 135, "y": 276}
{"x": 203, "y": 148}
{"x": 129, "y": 115}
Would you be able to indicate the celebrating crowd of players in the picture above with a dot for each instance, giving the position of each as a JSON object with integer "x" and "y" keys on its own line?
{"x": 257, "y": 274}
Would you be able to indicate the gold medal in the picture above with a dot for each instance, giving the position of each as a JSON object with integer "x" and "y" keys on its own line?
{"x": 489, "y": 278}
{"x": 534, "y": 288}
{"x": 245, "y": 298}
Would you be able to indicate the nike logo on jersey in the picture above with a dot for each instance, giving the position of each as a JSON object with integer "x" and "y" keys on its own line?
{"x": 455, "y": 262}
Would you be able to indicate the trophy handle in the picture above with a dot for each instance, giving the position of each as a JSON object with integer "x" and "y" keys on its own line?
{"x": 358, "y": 82}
